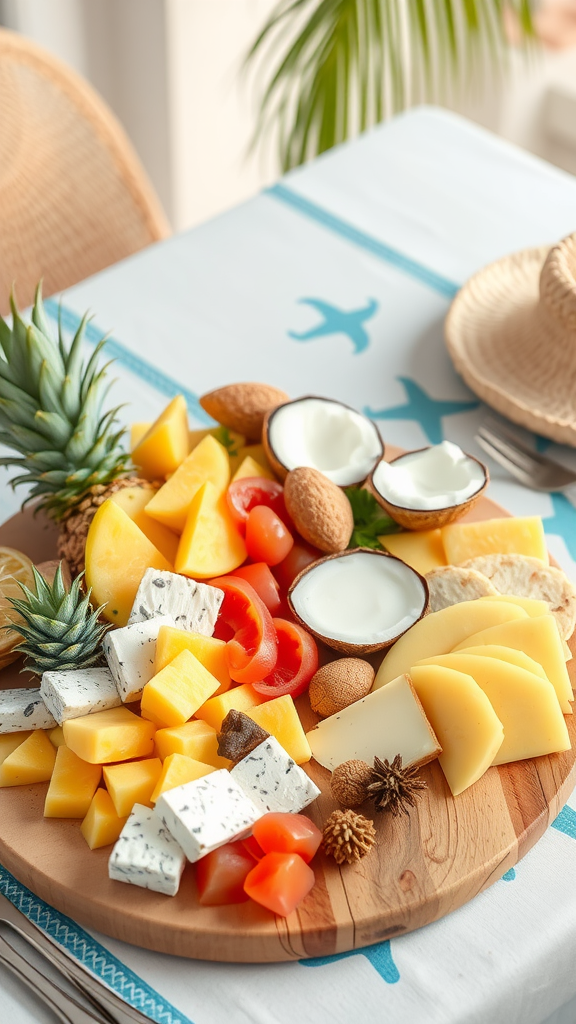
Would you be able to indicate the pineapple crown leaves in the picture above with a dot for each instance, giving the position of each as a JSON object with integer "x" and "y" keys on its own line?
{"x": 59, "y": 627}
{"x": 51, "y": 412}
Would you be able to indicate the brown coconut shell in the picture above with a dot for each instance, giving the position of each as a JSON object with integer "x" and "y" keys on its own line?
{"x": 355, "y": 650}
{"x": 319, "y": 509}
{"x": 427, "y": 519}
{"x": 242, "y": 407}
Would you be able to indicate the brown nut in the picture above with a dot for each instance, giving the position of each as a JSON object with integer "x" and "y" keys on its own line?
{"x": 319, "y": 509}
{"x": 349, "y": 783}
{"x": 338, "y": 684}
{"x": 242, "y": 407}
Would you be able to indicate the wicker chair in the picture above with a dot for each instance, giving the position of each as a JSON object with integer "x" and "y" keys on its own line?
{"x": 73, "y": 195}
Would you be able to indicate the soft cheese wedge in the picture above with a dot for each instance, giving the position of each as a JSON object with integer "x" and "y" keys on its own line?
{"x": 440, "y": 632}
{"x": 464, "y": 721}
{"x": 525, "y": 703}
{"x": 387, "y": 722}
{"x": 539, "y": 639}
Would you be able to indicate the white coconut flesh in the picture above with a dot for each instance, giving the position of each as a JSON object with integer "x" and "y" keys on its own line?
{"x": 438, "y": 477}
{"x": 360, "y": 598}
{"x": 325, "y": 435}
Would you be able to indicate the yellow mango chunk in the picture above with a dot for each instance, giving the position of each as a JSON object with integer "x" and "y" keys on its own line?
{"x": 72, "y": 785}
{"x": 176, "y": 770}
{"x": 133, "y": 501}
{"x": 132, "y": 783}
{"x": 230, "y": 439}
{"x": 10, "y": 740}
{"x": 101, "y": 826}
{"x": 540, "y": 640}
{"x": 117, "y": 556}
{"x": 114, "y": 735}
{"x": 31, "y": 761}
{"x": 440, "y": 632}
{"x": 137, "y": 432}
{"x": 165, "y": 445}
{"x": 171, "y": 504}
{"x": 423, "y": 551}
{"x": 210, "y": 652}
{"x": 240, "y": 698}
{"x": 56, "y": 736}
{"x": 468, "y": 729}
{"x": 519, "y": 535}
{"x": 280, "y": 718}
{"x": 525, "y": 703}
{"x": 195, "y": 739}
{"x": 210, "y": 544}
{"x": 256, "y": 452}
{"x": 249, "y": 467}
{"x": 175, "y": 693}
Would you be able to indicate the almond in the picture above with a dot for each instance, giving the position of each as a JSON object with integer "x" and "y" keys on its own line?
{"x": 242, "y": 407}
{"x": 319, "y": 510}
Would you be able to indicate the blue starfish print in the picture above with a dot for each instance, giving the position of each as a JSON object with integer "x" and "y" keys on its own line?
{"x": 380, "y": 957}
{"x": 562, "y": 522}
{"x": 339, "y": 321}
{"x": 428, "y": 412}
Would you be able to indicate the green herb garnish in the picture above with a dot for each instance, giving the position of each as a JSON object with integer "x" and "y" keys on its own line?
{"x": 230, "y": 444}
{"x": 369, "y": 522}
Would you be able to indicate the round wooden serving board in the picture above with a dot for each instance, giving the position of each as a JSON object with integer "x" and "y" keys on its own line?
{"x": 425, "y": 865}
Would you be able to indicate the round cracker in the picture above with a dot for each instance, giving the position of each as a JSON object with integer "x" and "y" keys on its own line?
{"x": 452, "y": 584}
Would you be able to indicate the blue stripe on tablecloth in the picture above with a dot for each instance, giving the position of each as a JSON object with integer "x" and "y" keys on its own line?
{"x": 90, "y": 953}
{"x": 374, "y": 246}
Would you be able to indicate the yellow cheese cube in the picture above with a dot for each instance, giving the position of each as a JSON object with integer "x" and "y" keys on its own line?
{"x": 178, "y": 769}
{"x": 423, "y": 551}
{"x": 280, "y": 718}
{"x": 31, "y": 761}
{"x": 440, "y": 632}
{"x": 208, "y": 461}
{"x": 241, "y": 698}
{"x": 540, "y": 640}
{"x": 10, "y": 740}
{"x": 249, "y": 467}
{"x": 210, "y": 652}
{"x": 72, "y": 785}
{"x": 468, "y": 729}
{"x": 211, "y": 544}
{"x": 173, "y": 695}
{"x": 101, "y": 826}
{"x": 114, "y": 735}
{"x": 132, "y": 783}
{"x": 520, "y": 535}
{"x": 137, "y": 432}
{"x": 165, "y": 445}
{"x": 195, "y": 739}
{"x": 56, "y": 736}
{"x": 525, "y": 703}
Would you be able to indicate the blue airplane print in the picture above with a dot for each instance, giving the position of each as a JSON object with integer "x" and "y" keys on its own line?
{"x": 339, "y": 321}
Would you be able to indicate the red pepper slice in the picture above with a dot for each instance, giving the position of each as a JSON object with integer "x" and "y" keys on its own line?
{"x": 259, "y": 576}
{"x": 252, "y": 652}
{"x": 296, "y": 664}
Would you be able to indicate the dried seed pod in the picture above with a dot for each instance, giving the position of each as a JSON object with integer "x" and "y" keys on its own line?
{"x": 348, "y": 836}
{"x": 349, "y": 783}
{"x": 338, "y": 684}
{"x": 238, "y": 736}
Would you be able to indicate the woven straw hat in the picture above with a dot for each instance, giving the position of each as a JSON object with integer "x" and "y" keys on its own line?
{"x": 511, "y": 333}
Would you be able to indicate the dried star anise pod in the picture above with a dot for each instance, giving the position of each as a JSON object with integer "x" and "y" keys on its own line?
{"x": 394, "y": 788}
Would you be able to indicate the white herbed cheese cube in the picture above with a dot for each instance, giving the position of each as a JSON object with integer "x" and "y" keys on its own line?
{"x": 272, "y": 780}
{"x": 146, "y": 854}
{"x": 79, "y": 691}
{"x": 22, "y": 709}
{"x": 193, "y": 606}
{"x": 204, "y": 814}
{"x": 130, "y": 653}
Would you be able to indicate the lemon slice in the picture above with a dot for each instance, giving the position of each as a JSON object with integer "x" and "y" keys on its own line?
{"x": 15, "y": 568}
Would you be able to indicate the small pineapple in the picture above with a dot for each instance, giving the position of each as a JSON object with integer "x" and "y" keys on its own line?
{"x": 59, "y": 627}
{"x": 68, "y": 451}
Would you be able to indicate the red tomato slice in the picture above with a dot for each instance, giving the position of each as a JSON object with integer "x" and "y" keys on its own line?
{"x": 296, "y": 663}
{"x": 221, "y": 874}
{"x": 298, "y": 558}
{"x": 243, "y": 495}
{"x": 280, "y": 881}
{"x": 267, "y": 539}
{"x": 280, "y": 832}
{"x": 259, "y": 576}
{"x": 252, "y": 652}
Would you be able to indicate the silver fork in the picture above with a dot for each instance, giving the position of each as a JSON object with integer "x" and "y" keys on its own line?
{"x": 529, "y": 467}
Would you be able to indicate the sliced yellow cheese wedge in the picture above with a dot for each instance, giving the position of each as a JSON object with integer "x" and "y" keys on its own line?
{"x": 520, "y": 535}
{"x": 531, "y": 605}
{"x": 540, "y": 640}
{"x": 511, "y": 655}
{"x": 525, "y": 703}
{"x": 31, "y": 761}
{"x": 464, "y": 721}
{"x": 422, "y": 550}
{"x": 440, "y": 632}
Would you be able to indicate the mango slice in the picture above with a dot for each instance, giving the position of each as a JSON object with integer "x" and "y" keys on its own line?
{"x": 165, "y": 445}
{"x": 132, "y": 783}
{"x": 114, "y": 735}
{"x": 177, "y": 770}
{"x": 171, "y": 503}
{"x": 195, "y": 739}
{"x": 520, "y": 535}
{"x": 137, "y": 432}
{"x": 249, "y": 467}
{"x": 210, "y": 544}
{"x": 133, "y": 500}
{"x": 101, "y": 826}
{"x": 210, "y": 652}
{"x": 72, "y": 785}
{"x": 423, "y": 551}
{"x": 173, "y": 695}
{"x": 232, "y": 441}
{"x": 31, "y": 761}
{"x": 280, "y": 718}
{"x": 240, "y": 698}
{"x": 117, "y": 556}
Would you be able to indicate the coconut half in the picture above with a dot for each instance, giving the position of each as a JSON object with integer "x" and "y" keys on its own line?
{"x": 322, "y": 434}
{"x": 358, "y": 601}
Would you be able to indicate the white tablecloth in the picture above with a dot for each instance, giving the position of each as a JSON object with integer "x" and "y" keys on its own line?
{"x": 336, "y": 282}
